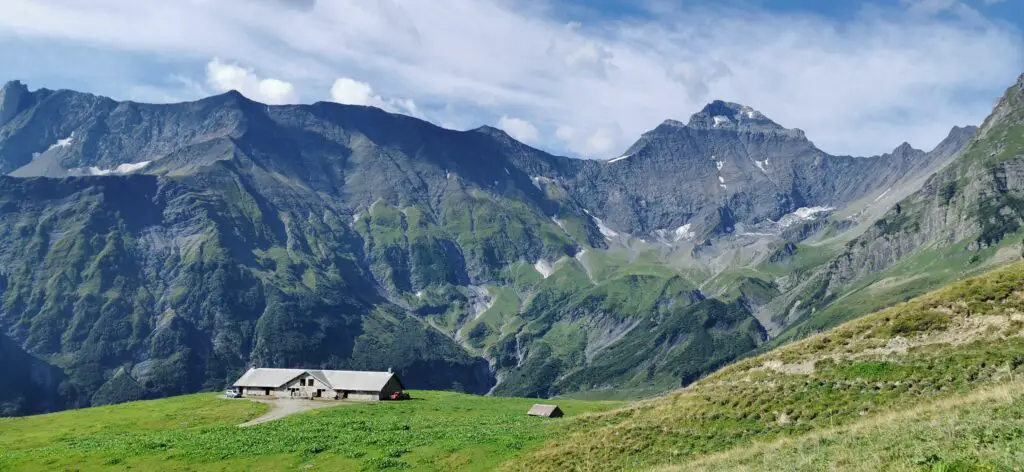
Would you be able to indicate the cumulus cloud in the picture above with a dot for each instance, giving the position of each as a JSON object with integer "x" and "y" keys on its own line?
{"x": 222, "y": 76}
{"x": 859, "y": 85}
{"x": 353, "y": 92}
{"x": 519, "y": 128}
{"x": 349, "y": 91}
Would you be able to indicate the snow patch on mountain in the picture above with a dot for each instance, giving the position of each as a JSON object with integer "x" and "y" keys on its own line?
{"x": 607, "y": 232}
{"x": 763, "y": 165}
{"x": 804, "y": 214}
{"x": 886, "y": 192}
{"x": 620, "y": 158}
{"x": 719, "y": 120}
{"x": 538, "y": 180}
{"x": 60, "y": 144}
{"x": 119, "y": 170}
{"x": 682, "y": 233}
{"x": 63, "y": 143}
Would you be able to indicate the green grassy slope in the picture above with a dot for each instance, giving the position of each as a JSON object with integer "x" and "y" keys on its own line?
{"x": 960, "y": 339}
{"x": 981, "y": 431}
{"x": 433, "y": 431}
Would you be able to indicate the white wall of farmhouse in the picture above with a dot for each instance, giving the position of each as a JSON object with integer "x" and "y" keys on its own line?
{"x": 306, "y": 385}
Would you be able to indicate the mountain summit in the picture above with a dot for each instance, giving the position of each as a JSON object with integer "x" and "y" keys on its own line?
{"x": 734, "y": 116}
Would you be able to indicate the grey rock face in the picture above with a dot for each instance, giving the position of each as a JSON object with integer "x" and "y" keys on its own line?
{"x": 731, "y": 164}
{"x": 14, "y": 97}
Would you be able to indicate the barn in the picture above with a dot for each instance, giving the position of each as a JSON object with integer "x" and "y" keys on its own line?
{"x": 320, "y": 384}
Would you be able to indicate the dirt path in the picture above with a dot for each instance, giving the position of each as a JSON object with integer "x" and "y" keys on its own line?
{"x": 287, "y": 407}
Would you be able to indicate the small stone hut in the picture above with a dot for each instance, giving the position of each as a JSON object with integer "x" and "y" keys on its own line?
{"x": 545, "y": 411}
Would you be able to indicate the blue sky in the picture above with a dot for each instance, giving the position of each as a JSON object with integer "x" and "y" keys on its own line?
{"x": 582, "y": 78}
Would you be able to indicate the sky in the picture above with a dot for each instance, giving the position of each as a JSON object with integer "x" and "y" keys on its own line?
{"x": 573, "y": 77}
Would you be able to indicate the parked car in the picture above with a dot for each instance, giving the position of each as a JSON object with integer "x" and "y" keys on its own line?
{"x": 232, "y": 393}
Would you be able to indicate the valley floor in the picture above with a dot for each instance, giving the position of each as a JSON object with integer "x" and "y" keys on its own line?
{"x": 433, "y": 431}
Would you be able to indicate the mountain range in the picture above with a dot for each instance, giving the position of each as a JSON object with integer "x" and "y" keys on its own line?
{"x": 151, "y": 250}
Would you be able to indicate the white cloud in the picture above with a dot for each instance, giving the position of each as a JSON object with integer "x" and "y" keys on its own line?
{"x": 349, "y": 91}
{"x": 520, "y": 129}
{"x": 597, "y": 141}
{"x": 222, "y": 76}
{"x": 860, "y": 85}
{"x": 353, "y": 92}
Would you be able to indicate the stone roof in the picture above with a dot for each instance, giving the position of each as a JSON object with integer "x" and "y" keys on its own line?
{"x": 335, "y": 379}
{"x": 547, "y": 411}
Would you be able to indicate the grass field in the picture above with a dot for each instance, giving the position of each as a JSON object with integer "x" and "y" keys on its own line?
{"x": 433, "y": 431}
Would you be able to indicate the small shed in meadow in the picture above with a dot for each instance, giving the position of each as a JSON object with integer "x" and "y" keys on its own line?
{"x": 545, "y": 411}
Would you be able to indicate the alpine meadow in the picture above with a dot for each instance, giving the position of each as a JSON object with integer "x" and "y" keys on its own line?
{"x": 234, "y": 277}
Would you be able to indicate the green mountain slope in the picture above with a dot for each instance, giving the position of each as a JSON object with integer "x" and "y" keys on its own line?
{"x": 965, "y": 218}
{"x": 964, "y": 338}
{"x": 153, "y": 250}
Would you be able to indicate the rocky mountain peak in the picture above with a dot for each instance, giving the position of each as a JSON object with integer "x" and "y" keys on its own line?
{"x": 904, "y": 148}
{"x": 14, "y": 97}
{"x": 722, "y": 115}
{"x": 1009, "y": 108}
{"x": 233, "y": 97}
{"x": 492, "y": 131}
{"x": 719, "y": 114}
{"x": 956, "y": 140}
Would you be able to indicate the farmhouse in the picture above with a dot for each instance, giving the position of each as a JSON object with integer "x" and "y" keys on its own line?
{"x": 320, "y": 384}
